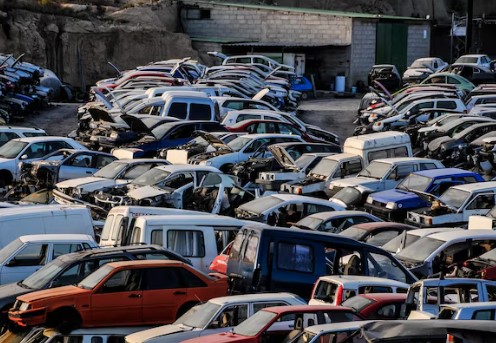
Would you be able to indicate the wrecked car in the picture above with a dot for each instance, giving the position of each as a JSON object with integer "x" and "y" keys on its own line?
{"x": 161, "y": 186}
{"x": 62, "y": 165}
{"x": 219, "y": 194}
{"x": 82, "y": 190}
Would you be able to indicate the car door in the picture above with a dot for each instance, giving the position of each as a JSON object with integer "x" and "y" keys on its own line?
{"x": 80, "y": 165}
{"x": 479, "y": 204}
{"x": 118, "y": 300}
{"x": 24, "y": 262}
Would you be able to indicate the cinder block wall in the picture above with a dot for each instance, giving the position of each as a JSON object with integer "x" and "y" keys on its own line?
{"x": 362, "y": 50}
{"x": 269, "y": 25}
{"x": 419, "y": 37}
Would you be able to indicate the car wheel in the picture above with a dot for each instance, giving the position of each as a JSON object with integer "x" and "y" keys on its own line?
{"x": 5, "y": 178}
{"x": 304, "y": 95}
{"x": 65, "y": 320}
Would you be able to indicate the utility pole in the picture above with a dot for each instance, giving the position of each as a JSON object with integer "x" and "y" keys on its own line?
{"x": 470, "y": 15}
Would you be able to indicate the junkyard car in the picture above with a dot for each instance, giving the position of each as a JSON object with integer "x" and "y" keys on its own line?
{"x": 468, "y": 311}
{"x": 423, "y": 67}
{"x": 118, "y": 172}
{"x": 455, "y": 206}
{"x": 283, "y": 209}
{"x": 161, "y": 186}
{"x": 275, "y": 323}
{"x": 64, "y": 164}
{"x": 120, "y": 293}
{"x": 385, "y": 306}
{"x": 215, "y": 316}
{"x": 377, "y": 233}
{"x": 335, "y": 222}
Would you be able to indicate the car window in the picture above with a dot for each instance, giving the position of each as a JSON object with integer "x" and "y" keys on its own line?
{"x": 427, "y": 166}
{"x": 483, "y": 315}
{"x": 189, "y": 280}
{"x": 287, "y": 129}
{"x": 385, "y": 312}
{"x": 481, "y": 201}
{"x": 242, "y": 117}
{"x": 137, "y": 170}
{"x": 54, "y": 146}
{"x": 296, "y": 257}
{"x": 65, "y": 248}
{"x": 31, "y": 255}
{"x": 453, "y": 81}
{"x": 200, "y": 112}
{"x": 184, "y": 131}
{"x": 178, "y": 110}
{"x": 450, "y": 105}
{"x": 102, "y": 161}
{"x": 36, "y": 150}
{"x": 157, "y": 237}
{"x": 233, "y": 105}
{"x": 123, "y": 281}
{"x": 80, "y": 160}
{"x": 7, "y": 136}
{"x": 188, "y": 243}
{"x": 232, "y": 315}
{"x": 161, "y": 278}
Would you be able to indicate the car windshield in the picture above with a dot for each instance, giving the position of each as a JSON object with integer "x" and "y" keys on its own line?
{"x": 310, "y": 223}
{"x": 238, "y": 143}
{"x": 254, "y": 324}
{"x": 348, "y": 195}
{"x": 199, "y": 316}
{"x": 11, "y": 149}
{"x": 415, "y": 182}
{"x": 304, "y": 161}
{"x": 41, "y": 278}
{"x": 9, "y": 249}
{"x": 394, "y": 245}
{"x": 151, "y": 177}
{"x": 420, "y": 64}
{"x": 354, "y": 232}
{"x": 466, "y": 59}
{"x": 306, "y": 337}
{"x": 420, "y": 250}
{"x": 357, "y": 303}
{"x": 94, "y": 278}
{"x": 160, "y": 131}
{"x": 324, "y": 167}
{"x": 111, "y": 171}
{"x": 375, "y": 170}
{"x": 262, "y": 204}
{"x": 454, "y": 197}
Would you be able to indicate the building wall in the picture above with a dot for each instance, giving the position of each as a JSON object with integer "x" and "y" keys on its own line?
{"x": 419, "y": 37}
{"x": 362, "y": 50}
{"x": 269, "y": 26}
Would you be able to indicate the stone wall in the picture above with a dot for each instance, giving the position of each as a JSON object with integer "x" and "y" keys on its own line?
{"x": 418, "y": 42}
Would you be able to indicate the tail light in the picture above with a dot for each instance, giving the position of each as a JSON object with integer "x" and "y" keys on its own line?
{"x": 339, "y": 295}
{"x": 450, "y": 339}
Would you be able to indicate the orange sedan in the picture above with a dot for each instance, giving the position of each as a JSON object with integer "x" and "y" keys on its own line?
{"x": 121, "y": 293}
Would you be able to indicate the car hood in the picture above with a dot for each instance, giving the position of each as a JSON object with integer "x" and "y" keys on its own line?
{"x": 56, "y": 292}
{"x": 428, "y": 129}
{"x": 282, "y": 156}
{"x": 395, "y": 195}
{"x": 436, "y": 143}
{"x": 89, "y": 183}
{"x": 146, "y": 192}
{"x": 208, "y": 155}
{"x": 160, "y": 331}
{"x": 46, "y": 163}
{"x": 429, "y": 198}
{"x": 136, "y": 124}
{"x": 355, "y": 181}
{"x": 416, "y": 71}
{"x": 214, "y": 141}
{"x": 99, "y": 114}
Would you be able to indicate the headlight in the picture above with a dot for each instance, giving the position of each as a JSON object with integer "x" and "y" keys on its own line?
{"x": 379, "y": 123}
{"x": 391, "y": 205}
{"x": 369, "y": 200}
{"x": 114, "y": 135}
{"x": 24, "y": 306}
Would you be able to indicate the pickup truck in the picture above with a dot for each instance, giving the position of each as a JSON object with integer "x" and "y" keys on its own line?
{"x": 425, "y": 297}
{"x": 455, "y": 206}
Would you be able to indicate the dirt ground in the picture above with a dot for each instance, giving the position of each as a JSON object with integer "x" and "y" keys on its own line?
{"x": 332, "y": 114}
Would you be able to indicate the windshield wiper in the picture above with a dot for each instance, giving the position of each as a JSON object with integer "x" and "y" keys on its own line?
{"x": 23, "y": 285}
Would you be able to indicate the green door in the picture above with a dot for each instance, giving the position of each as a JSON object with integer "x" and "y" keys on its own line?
{"x": 391, "y": 44}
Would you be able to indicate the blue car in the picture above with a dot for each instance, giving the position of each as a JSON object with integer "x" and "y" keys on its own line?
{"x": 303, "y": 85}
{"x": 395, "y": 203}
{"x": 170, "y": 135}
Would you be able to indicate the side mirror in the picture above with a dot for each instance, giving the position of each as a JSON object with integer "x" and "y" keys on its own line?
{"x": 24, "y": 157}
{"x": 11, "y": 263}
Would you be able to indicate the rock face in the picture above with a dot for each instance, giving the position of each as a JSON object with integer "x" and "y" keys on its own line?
{"x": 77, "y": 50}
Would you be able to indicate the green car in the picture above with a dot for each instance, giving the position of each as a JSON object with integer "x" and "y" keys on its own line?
{"x": 449, "y": 78}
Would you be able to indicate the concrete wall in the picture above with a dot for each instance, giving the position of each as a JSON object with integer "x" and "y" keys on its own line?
{"x": 419, "y": 37}
{"x": 269, "y": 26}
{"x": 362, "y": 50}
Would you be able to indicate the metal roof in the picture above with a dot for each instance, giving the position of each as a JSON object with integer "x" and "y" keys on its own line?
{"x": 283, "y": 44}
{"x": 307, "y": 10}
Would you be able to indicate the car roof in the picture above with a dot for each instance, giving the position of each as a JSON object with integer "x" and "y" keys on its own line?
{"x": 384, "y": 296}
{"x": 146, "y": 263}
{"x": 137, "y": 160}
{"x": 452, "y": 281}
{"x": 443, "y": 172}
{"x": 333, "y": 214}
{"x": 488, "y": 185}
{"x": 186, "y": 167}
{"x": 448, "y": 236}
{"x": 43, "y": 139}
{"x": 431, "y": 230}
{"x": 305, "y": 308}
{"x": 55, "y": 237}
{"x": 357, "y": 280}
{"x": 336, "y": 327}
{"x": 378, "y": 225}
{"x": 478, "y": 305}
{"x": 243, "y": 298}
{"x": 111, "y": 250}
{"x": 405, "y": 159}
{"x": 24, "y": 128}
{"x": 269, "y": 135}
{"x": 292, "y": 197}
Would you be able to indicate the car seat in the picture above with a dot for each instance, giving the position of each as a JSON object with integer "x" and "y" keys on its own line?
{"x": 353, "y": 266}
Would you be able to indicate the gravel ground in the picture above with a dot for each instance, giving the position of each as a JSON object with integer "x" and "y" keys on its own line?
{"x": 331, "y": 114}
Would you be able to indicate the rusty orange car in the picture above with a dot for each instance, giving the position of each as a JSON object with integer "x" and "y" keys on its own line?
{"x": 143, "y": 292}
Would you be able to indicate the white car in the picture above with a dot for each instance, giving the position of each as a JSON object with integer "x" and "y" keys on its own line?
{"x": 8, "y": 133}
{"x": 475, "y": 59}
{"x": 423, "y": 67}
{"x": 227, "y": 104}
{"x": 116, "y": 173}
{"x": 240, "y": 149}
{"x": 215, "y": 316}
{"x": 28, "y": 150}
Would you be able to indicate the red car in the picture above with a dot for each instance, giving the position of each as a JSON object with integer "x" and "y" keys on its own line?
{"x": 274, "y": 324}
{"x": 271, "y": 126}
{"x": 378, "y": 305}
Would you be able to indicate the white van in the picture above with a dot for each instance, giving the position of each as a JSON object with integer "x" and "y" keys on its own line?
{"x": 198, "y": 238}
{"x": 357, "y": 153}
{"x": 91, "y": 335}
{"x": 42, "y": 219}
{"x": 26, "y": 254}
{"x": 121, "y": 219}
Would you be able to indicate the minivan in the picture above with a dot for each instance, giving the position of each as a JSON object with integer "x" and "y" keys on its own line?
{"x": 265, "y": 258}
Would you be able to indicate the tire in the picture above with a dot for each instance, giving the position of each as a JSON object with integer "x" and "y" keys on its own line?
{"x": 5, "y": 178}
{"x": 65, "y": 320}
{"x": 304, "y": 95}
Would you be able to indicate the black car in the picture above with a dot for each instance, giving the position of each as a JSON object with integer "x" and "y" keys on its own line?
{"x": 475, "y": 74}
{"x": 72, "y": 268}
{"x": 385, "y": 74}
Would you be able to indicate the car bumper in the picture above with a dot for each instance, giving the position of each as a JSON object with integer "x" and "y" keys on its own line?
{"x": 29, "y": 317}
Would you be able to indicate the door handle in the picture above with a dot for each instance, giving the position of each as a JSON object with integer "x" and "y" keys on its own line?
{"x": 134, "y": 295}
{"x": 179, "y": 293}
